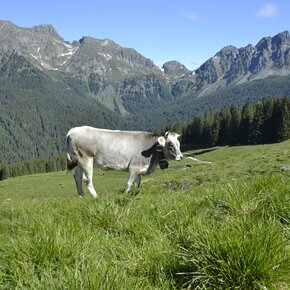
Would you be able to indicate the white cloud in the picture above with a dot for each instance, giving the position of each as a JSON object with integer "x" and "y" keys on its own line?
{"x": 192, "y": 15}
{"x": 269, "y": 10}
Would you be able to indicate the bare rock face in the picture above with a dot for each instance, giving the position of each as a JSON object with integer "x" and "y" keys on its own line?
{"x": 175, "y": 69}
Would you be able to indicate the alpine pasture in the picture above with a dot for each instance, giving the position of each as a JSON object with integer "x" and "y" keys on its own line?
{"x": 219, "y": 225}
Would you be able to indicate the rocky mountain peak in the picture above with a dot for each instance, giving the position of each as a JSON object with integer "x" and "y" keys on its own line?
{"x": 282, "y": 38}
{"x": 5, "y": 23}
{"x": 46, "y": 29}
{"x": 228, "y": 51}
{"x": 275, "y": 42}
{"x": 174, "y": 68}
{"x": 174, "y": 71}
{"x": 264, "y": 43}
{"x": 105, "y": 57}
{"x": 270, "y": 56}
{"x": 41, "y": 44}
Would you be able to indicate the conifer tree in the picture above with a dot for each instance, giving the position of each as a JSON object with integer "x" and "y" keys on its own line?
{"x": 194, "y": 131}
{"x": 246, "y": 122}
{"x": 235, "y": 125}
{"x": 4, "y": 172}
{"x": 50, "y": 165}
{"x": 207, "y": 125}
{"x": 255, "y": 136}
{"x": 214, "y": 131}
{"x": 267, "y": 135}
{"x": 225, "y": 119}
{"x": 280, "y": 119}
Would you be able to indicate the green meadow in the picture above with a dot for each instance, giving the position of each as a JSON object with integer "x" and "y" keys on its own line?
{"x": 218, "y": 225}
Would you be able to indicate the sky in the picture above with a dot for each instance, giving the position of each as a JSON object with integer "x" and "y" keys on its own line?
{"x": 188, "y": 31}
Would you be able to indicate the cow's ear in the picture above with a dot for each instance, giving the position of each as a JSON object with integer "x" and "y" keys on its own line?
{"x": 161, "y": 141}
{"x": 166, "y": 134}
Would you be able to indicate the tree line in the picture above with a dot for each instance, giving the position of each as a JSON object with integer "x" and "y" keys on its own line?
{"x": 267, "y": 121}
{"x": 41, "y": 165}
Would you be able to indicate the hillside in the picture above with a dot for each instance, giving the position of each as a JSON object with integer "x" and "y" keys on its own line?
{"x": 48, "y": 85}
{"x": 219, "y": 225}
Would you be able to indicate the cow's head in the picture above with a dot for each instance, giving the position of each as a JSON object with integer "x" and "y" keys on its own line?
{"x": 171, "y": 146}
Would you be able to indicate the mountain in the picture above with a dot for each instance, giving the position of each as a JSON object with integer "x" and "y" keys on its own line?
{"x": 48, "y": 85}
{"x": 271, "y": 56}
{"x": 101, "y": 64}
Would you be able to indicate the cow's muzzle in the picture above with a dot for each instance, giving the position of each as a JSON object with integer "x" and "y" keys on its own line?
{"x": 179, "y": 157}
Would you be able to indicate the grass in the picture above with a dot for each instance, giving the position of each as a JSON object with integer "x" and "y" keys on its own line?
{"x": 235, "y": 256}
{"x": 223, "y": 225}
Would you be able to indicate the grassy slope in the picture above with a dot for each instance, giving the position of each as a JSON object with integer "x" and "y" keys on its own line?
{"x": 209, "y": 226}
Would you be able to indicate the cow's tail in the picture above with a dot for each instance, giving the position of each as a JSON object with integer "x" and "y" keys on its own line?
{"x": 71, "y": 161}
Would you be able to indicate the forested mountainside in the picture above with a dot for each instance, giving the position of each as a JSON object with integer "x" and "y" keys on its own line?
{"x": 36, "y": 112}
{"x": 48, "y": 85}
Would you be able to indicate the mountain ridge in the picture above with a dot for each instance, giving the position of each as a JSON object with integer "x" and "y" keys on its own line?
{"x": 270, "y": 56}
{"x": 275, "y": 43}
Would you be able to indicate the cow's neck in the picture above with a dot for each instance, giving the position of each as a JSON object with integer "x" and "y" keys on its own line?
{"x": 160, "y": 153}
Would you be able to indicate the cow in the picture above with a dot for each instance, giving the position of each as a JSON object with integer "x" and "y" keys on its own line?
{"x": 137, "y": 152}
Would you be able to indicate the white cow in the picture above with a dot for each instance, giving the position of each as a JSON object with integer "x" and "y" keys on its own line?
{"x": 134, "y": 151}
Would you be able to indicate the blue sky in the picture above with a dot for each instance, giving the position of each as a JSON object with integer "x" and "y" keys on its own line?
{"x": 189, "y": 31}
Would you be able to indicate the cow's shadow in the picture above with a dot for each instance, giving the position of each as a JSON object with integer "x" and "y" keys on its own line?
{"x": 202, "y": 152}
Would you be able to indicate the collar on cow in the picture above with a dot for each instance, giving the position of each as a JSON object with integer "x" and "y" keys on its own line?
{"x": 163, "y": 164}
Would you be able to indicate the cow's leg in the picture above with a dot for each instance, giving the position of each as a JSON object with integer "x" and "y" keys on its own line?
{"x": 138, "y": 181}
{"x": 134, "y": 177}
{"x": 78, "y": 174}
{"x": 88, "y": 167}
{"x": 131, "y": 179}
